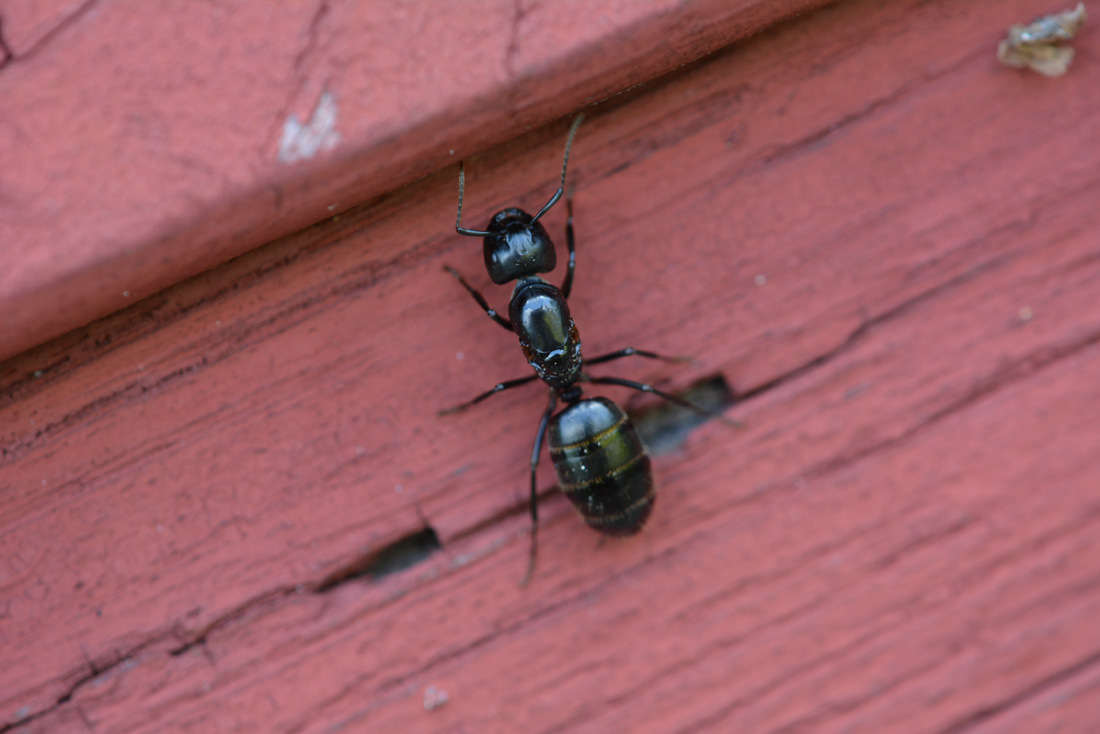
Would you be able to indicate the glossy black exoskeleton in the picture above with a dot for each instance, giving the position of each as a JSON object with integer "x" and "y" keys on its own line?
{"x": 602, "y": 466}
{"x": 600, "y": 462}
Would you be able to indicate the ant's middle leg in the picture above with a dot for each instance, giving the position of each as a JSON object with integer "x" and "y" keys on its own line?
{"x": 480, "y": 299}
{"x": 499, "y": 387}
{"x": 632, "y": 352}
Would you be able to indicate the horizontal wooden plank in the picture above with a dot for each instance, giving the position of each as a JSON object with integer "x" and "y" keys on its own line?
{"x": 887, "y": 252}
{"x": 177, "y": 137}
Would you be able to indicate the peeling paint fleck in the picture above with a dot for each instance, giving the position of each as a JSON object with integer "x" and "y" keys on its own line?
{"x": 303, "y": 141}
{"x": 434, "y": 698}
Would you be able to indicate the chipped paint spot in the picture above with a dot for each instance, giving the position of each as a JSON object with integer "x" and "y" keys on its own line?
{"x": 304, "y": 141}
{"x": 434, "y": 698}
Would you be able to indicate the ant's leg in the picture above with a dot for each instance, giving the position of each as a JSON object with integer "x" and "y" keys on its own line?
{"x": 632, "y": 352}
{"x": 669, "y": 397}
{"x": 568, "y": 284}
{"x": 533, "y": 554}
{"x": 499, "y": 387}
{"x": 480, "y": 299}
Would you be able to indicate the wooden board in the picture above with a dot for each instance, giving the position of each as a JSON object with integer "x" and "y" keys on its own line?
{"x": 882, "y": 240}
{"x": 173, "y": 137}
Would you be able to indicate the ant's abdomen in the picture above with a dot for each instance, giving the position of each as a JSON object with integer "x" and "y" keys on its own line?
{"x": 602, "y": 466}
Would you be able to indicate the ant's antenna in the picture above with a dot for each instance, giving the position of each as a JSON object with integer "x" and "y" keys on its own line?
{"x": 553, "y": 199}
{"x": 458, "y": 220}
{"x": 564, "y": 164}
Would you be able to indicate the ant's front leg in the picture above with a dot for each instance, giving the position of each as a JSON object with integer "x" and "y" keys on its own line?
{"x": 480, "y": 299}
{"x": 568, "y": 284}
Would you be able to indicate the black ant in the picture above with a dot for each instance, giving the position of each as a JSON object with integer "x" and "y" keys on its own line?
{"x": 601, "y": 464}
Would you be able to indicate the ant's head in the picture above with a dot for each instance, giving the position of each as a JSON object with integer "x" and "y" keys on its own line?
{"x": 516, "y": 246}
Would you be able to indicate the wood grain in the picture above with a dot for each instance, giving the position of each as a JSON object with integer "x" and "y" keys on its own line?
{"x": 885, "y": 243}
{"x": 141, "y": 144}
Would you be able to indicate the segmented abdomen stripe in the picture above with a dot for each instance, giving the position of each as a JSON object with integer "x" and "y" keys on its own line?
{"x": 574, "y": 487}
{"x": 559, "y": 450}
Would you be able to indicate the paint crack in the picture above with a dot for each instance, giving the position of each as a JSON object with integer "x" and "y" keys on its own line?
{"x": 1021, "y": 697}
{"x": 6, "y": 54}
{"x": 298, "y": 139}
{"x": 94, "y": 669}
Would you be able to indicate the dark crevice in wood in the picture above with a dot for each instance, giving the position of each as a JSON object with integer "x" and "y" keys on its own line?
{"x": 94, "y": 669}
{"x": 548, "y": 610}
{"x": 519, "y": 508}
{"x": 1006, "y": 375}
{"x": 145, "y": 318}
{"x": 187, "y": 647}
{"x": 393, "y": 558}
{"x": 977, "y": 718}
{"x": 665, "y": 427}
{"x": 900, "y": 309}
{"x": 199, "y": 638}
{"x": 814, "y": 138}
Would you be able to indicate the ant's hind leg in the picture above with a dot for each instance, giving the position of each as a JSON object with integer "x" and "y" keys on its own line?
{"x": 669, "y": 397}
{"x": 480, "y": 299}
{"x": 532, "y": 556}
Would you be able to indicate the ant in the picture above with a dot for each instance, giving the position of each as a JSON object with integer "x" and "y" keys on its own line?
{"x": 601, "y": 464}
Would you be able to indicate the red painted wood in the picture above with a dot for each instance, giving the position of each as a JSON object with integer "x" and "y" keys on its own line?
{"x": 860, "y": 219}
{"x": 166, "y": 143}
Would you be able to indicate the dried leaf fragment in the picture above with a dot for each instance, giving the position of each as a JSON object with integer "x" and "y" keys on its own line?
{"x": 1041, "y": 44}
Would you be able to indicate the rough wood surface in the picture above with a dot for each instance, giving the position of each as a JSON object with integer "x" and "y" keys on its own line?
{"x": 882, "y": 239}
{"x": 141, "y": 143}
